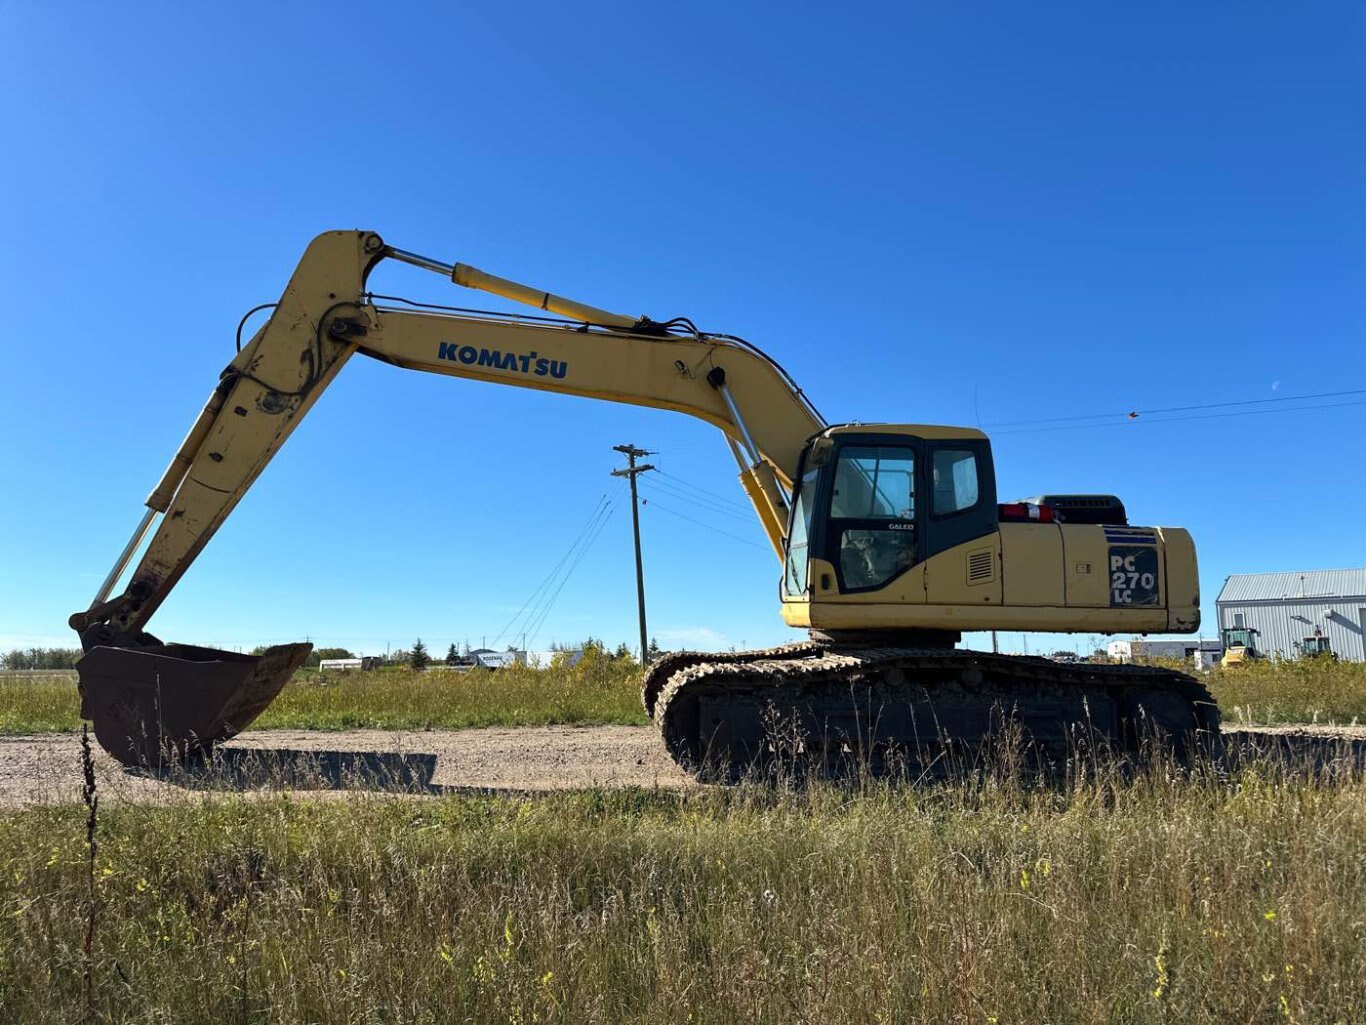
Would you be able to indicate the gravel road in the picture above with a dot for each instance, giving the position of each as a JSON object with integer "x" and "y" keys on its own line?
{"x": 46, "y": 768}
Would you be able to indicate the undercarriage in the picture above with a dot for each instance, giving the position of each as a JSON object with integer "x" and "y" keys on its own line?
{"x": 835, "y": 708}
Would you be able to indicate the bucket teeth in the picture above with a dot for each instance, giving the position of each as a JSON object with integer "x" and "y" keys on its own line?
{"x": 160, "y": 703}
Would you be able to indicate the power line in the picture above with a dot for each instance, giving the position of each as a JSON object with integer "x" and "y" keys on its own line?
{"x": 671, "y": 492}
{"x": 707, "y": 526}
{"x": 537, "y": 616}
{"x": 531, "y": 627}
{"x": 536, "y": 595}
{"x": 600, "y": 512}
{"x": 1135, "y": 414}
{"x": 534, "y": 627}
{"x": 697, "y": 487}
{"x": 1179, "y": 419}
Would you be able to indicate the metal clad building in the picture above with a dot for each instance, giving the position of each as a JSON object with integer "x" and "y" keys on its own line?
{"x": 1288, "y": 608}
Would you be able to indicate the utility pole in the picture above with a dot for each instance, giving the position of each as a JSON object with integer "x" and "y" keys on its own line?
{"x": 632, "y": 470}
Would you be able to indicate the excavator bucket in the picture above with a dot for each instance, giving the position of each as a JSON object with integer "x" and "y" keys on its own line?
{"x": 153, "y": 705}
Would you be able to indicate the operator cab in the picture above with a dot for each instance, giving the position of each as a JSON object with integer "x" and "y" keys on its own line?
{"x": 895, "y": 536}
{"x": 873, "y": 501}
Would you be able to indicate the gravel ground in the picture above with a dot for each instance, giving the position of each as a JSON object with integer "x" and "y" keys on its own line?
{"x": 46, "y": 768}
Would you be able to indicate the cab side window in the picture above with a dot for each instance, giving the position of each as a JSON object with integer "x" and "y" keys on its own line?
{"x": 955, "y": 481}
{"x": 962, "y": 499}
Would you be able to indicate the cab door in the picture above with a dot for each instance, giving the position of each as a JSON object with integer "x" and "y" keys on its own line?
{"x": 868, "y": 536}
{"x": 962, "y": 542}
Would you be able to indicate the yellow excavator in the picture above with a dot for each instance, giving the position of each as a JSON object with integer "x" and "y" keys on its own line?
{"x": 891, "y": 540}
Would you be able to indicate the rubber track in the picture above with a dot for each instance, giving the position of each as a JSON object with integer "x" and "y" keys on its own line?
{"x": 820, "y": 683}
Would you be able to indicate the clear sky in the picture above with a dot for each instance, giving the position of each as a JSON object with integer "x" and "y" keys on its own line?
{"x": 970, "y": 214}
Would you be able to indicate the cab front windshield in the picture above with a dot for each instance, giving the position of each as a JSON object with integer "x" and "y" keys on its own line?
{"x": 872, "y": 511}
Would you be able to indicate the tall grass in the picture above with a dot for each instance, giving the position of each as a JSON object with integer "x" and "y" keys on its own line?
{"x": 1308, "y": 690}
{"x": 39, "y": 703}
{"x": 1159, "y": 898}
{"x": 597, "y": 691}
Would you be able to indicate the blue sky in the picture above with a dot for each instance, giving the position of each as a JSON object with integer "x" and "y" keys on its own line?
{"x": 949, "y": 213}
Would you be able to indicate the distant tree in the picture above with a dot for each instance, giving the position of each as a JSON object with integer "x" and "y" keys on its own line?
{"x": 418, "y": 657}
{"x": 452, "y": 656}
{"x": 654, "y": 650}
{"x": 621, "y": 652}
{"x": 43, "y": 658}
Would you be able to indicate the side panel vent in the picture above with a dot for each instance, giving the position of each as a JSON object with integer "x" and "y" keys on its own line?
{"x": 981, "y": 566}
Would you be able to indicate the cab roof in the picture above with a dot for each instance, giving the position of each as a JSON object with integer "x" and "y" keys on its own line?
{"x": 931, "y": 431}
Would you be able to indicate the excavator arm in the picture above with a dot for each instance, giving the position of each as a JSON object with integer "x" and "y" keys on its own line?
{"x": 149, "y": 699}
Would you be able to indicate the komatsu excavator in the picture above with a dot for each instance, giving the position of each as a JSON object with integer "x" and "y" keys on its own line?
{"x": 890, "y": 537}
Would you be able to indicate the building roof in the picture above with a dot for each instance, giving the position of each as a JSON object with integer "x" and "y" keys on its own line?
{"x": 1311, "y": 583}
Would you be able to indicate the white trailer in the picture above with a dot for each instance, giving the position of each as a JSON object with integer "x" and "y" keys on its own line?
{"x": 346, "y": 664}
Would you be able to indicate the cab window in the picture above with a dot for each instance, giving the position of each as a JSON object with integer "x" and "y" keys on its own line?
{"x": 1316, "y": 646}
{"x": 872, "y": 514}
{"x": 955, "y": 481}
{"x": 874, "y": 482}
{"x": 799, "y": 535}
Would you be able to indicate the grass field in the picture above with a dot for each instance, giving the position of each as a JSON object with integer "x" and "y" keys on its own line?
{"x": 601, "y": 691}
{"x": 1303, "y": 691}
{"x": 1230, "y": 895}
{"x": 597, "y": 691}
{"x": 1157, "y": 899}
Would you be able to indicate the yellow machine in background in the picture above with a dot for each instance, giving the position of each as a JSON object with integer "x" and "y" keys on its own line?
{"x": 1240, "y": 647}
{"x": 891, "y": 538}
